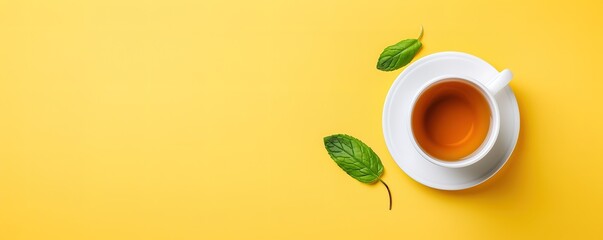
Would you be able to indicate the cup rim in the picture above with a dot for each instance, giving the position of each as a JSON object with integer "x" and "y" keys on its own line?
{"x": 486, "y": 146}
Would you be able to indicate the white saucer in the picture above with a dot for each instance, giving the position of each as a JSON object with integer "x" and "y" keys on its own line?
{"x": 398, "y": 138}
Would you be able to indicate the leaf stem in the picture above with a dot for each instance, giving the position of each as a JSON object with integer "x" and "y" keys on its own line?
{"x": 388, "y": 193}
{"x": 420, "y": 34}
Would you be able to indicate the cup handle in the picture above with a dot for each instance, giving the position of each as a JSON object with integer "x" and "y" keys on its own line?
{"x": 500, "y": 81}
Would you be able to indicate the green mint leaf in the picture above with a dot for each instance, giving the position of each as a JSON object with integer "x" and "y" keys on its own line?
{"x": 356, "y": 158}
{"x": 399, "y": 54}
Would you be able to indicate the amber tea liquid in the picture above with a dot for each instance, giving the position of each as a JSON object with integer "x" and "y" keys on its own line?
{"x": 451, "y": 119}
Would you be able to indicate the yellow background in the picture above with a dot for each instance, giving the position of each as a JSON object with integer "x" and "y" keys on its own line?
{"x": 204, "y": 119}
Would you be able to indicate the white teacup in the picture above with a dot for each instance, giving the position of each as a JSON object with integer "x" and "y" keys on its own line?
{"x": 488, "y": 90}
